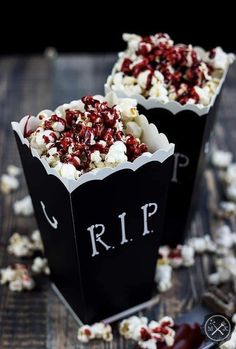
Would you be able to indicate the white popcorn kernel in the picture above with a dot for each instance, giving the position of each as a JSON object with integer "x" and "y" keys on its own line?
{"x": 204, "y": 95}
{"x": 99, "y": 330}
{"x": 187, "y": 253}
{"x": 134, "y": 129}
{"x": 163, "y": 277}
{"x": 40, "y": 265}
{"x": 221, "y": 159}
{"x": 85, "y": 334}
{"x": 8, "y": 184}
{"x": 160, "y": 92}
{"x": 13, "y": 170}
{"x": 19, "y": 246}
{"x": 23, "y": 207}
{"x": 128, "y": 326}
{"x": 223, "y": 237}
{"x": 6, "y": 275}
{"x": 142, "y": 78}
{"x": 116, "y": 153}
{"x": 44, "y": 114}
{"x": 228, "y": 207}
{"x": 18, "y": 278}
{"x": 149, "y": 344}
{"x": 36, "y": 241}
{"x": 230, "y": 175}
{"x": 58, "y": 126}
{"x": 202, "y": 244}
{"x": 66, "y": 170}
{"x": 221, "y": 59}
{"x": 95, "y": 156}
{"x": 231, "y": 192}
{"x": 16, "y": 285}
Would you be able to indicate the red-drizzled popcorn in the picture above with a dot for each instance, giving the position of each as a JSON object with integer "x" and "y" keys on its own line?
{"x": 90, "y": 134}
{"x": 155, "y": 67}
{"x": 17, "y": 277}
{"x": 99, "y": 330}
{"x": 148, "y": 335}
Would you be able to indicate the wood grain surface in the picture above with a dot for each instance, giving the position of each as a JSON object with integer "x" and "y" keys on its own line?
{"x": 37, "y": 319}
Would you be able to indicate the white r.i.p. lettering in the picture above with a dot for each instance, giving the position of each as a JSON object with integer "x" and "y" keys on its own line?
{"x": 96, "y": 237}
{"x": 123, "y": 233}
{"x": 180, "y": 160}
{"x": 147, "y": 214}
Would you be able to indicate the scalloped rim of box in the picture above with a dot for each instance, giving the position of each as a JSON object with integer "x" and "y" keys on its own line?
{"x": 71, "y": 184}
{"x": 173, "y": 106}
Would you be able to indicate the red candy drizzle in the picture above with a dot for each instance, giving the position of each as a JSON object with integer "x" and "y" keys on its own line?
{"x": 84, "y": 132}
{"x": 178, "y": 63}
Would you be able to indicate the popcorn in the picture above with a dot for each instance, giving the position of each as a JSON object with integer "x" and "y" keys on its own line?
{"x": 13, "y": 170}
{"x": 202, "y": 244}
{"x": 163, "y": 276}
{"x": 227, "y": 209}
{"x": 225, "y": 270}
{"x": 8, "y": 183}
{"x": 153, "y": 66}
{"x": 98, "y": 330}
{"x": 182, "y": 255}
{"x": 37, "y": 241}
{"x": 22, "y": 246}
{"x": 23, "y": 207}
{"x": 230, "y": 175}
{"x": 92, "y": 133}
{"x": 127, "y": 326}
{"x": 40, "y": 265}
{"x": 148, "y": 335}
{"x": 221, "y": 159}
{"x": 231, "y": 192}
{"x": 18, "y": 278}
{"x": 224, "y": 238}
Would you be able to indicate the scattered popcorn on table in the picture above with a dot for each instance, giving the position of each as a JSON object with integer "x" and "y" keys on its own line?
{"x": 148, "y": 335}
{"x": 225, "y": 270}
{"x": 231, "y": 191}
{"x": 23, "y": 246}
{"x": 224, "y": 238}
{"x": 18, "y": 278}
{"x": 221, "y": 158}
{"x": 8, "y": 184}
{"x": 13, "y": 170}
{"x": 163, "y": 276}
{"x": 230, "y": 174}
{"x": 98, "y": 330}
{"x": 182, "y": 255}
{"x": 20, "y": 246}
{"x": 40, "y": 265}
{"x": 202, "y": 244}
{"x": 24, "y": 206}
{"x": 37, "y": 241}
{"x": 226, "y": 209}
{"x": 127, "y": 326}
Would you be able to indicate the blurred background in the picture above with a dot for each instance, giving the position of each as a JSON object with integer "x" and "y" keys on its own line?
{"x": 97, "y": 27}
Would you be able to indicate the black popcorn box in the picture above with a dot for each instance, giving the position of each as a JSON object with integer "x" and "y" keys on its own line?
{"x": 190, "y": 128}
{"x": 101, "y": 232}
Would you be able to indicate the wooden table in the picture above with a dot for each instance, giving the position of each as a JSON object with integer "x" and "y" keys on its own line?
{"x": 38, "y": 320}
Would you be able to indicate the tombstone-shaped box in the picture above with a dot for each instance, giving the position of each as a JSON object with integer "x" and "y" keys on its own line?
{"x": 100, "y": 232}
{"x": 189, "y": 126}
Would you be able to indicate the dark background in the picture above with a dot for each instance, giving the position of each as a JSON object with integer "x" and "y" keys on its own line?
{"x": 89, "y": 27}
